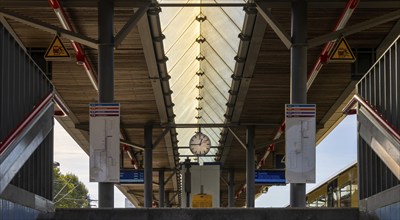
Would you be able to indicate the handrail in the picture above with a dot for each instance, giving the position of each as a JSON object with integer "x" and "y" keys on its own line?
{"x": 8, "y": 140}
{"x": 388, "y": 127}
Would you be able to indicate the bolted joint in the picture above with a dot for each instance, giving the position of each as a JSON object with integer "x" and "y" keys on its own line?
{"x": 159, "y": 39}
{"x": 154, "y": 10}
{"x": 239, "y": 59}
{"x": 166, "y": 78}
{"x": 235, "y": 78}
{"x": 200, "y": 73}
{"x": 231, "y": 92}
{"x": 200, "y": 57}
{"x": 201, "y": 17}
{"x": 244, "y": 37}
{"x": 163, "y": 60}
{"x": 200, "y": 39}
{"x": 250, "y": 9}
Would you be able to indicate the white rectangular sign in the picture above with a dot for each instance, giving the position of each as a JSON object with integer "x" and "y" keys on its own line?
{"x": 104, "y": 142}
{"x": 300, "y": 143}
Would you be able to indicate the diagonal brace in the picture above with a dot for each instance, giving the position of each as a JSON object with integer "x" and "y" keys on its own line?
{"x": 50, "y": 28}
{"x": 354, "y": 28}
{"x": 274, "y": 24}
{"x": 130, "y": 24}
{"x": 159, "y": 139}
{"x": 169, "y": 177}
{"x": 237, "y": 138}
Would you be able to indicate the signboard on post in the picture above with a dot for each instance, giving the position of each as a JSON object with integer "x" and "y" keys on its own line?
{"x": 300, "y": 143}
{"x": 131, "y": 176}
{"x": 270, "y": 177}
{"x": 104, "y": 142}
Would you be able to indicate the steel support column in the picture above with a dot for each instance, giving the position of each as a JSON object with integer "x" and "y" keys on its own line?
{"x": 167, "y": 204}
{"x": 106, "y": 78}
{"x": 250, "y": 166}
{"x": 161, "y": 188}
{"x": 148, "y": 166}
{"x": 231, "y": 188}
{"x": 298, "y": 80}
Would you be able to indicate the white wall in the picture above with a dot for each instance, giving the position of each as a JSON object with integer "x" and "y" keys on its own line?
{"x": 206, "y": 175}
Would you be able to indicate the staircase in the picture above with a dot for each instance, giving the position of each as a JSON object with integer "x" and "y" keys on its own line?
{"x": 378, "y": 115}
{"x": 26, "y": 131}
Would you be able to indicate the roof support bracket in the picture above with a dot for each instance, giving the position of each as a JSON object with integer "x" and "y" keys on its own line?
{"x": 159, "y": 139}
{"x": 354, "y": 28}
{"x": 274, "y": 24}
{"x": 169, "y": 177}
{"x": 130, "y": 24}
{"x": 50, "y": 28}
{"x": 237, "y": 138}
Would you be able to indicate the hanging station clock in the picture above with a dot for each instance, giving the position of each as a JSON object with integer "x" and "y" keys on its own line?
{"x": 200, "y": 144}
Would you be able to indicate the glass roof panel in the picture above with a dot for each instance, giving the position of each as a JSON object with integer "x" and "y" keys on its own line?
{"x": 178, "y": 25}
{"x": 220, "y": 27}
{"x": 186, "y": 41}
{"x": 201, "y": 43}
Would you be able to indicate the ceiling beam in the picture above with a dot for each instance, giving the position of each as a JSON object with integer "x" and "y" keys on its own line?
{"x": 153, "y": 48}
{"x": 139, "y": 3}
{"x": 354, "y": 28}
{"x": 274, "y": 24}
{"x": 50, "y": 28}
{"x": 389, "y": 39}
{"x": 249, "y": 48}
{"x": 331, "y": 4}
{"x": 72, "y": 3}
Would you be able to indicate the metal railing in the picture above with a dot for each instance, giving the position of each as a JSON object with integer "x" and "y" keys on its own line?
{"x": 380, "y": 86}
{"x": 380, "y": 93}
{"x": 23, "y": 85}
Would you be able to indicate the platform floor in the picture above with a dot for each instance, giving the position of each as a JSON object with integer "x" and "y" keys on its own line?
{"x": 208, "y": 214}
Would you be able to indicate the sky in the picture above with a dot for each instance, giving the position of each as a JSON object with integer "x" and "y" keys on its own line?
{"x": 335, "y": 152}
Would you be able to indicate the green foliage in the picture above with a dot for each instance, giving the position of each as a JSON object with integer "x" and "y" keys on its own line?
{"x": 68, "y": 191}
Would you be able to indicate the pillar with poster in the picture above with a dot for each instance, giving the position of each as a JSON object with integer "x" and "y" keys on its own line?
{"x": 300, "y": 143}
{"x": 104, "y": 142}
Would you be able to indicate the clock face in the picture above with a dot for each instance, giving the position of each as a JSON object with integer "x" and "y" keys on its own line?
{"x": 200, "y": 144}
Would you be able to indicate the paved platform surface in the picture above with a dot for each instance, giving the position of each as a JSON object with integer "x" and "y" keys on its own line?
{"x": 208, "y": 214}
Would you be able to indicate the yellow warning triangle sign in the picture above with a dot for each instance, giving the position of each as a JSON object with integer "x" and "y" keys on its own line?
{"x": 57, "y": 51}
{"x": 342, "y": 53}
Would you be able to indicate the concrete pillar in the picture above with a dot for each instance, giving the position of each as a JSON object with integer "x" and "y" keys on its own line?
{"x": 148, "y": 167}
{"x": 250, "y": 167}
{"x": 106, "y": 78}
{"x": 161, "y": 188}
{"x": 231, "y": 188}
{"x": 298, "y": 80}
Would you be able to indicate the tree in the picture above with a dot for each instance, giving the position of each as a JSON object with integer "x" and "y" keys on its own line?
{"x": 68, "y": 191}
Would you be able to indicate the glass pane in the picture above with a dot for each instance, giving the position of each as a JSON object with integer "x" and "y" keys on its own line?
{"x": 345, "y": 195}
